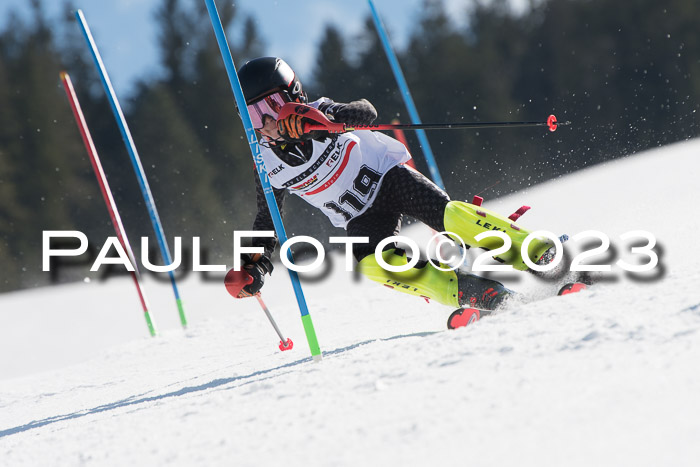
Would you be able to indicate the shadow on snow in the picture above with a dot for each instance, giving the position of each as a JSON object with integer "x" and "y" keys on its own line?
{"x": 137, "y": 400}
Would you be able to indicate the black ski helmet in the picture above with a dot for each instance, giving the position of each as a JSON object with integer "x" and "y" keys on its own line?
{"x": 266, "y": 75}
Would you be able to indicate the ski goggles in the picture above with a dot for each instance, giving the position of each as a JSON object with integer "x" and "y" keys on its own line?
{"x": 268, "y": 105}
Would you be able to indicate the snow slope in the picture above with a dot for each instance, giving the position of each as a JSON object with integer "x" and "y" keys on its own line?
{"x": 606, "y": 377}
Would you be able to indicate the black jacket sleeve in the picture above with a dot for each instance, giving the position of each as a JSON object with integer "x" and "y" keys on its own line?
{"x": 360, "y": 112}
{"x": 263, "y": 219}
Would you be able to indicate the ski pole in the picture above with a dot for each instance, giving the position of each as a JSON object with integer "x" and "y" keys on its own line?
{"x": 342, "y": 128}
{"x": 234, "y": 282}
{"x": 551, "y": 123}
{"x": 285, "y": 344}
{"x": 321, "y": 123}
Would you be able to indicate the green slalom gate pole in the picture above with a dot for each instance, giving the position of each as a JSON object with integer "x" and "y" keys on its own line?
{"x": 257, "y": 159}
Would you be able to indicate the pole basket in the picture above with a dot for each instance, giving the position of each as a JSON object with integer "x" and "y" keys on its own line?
{"x": 286, "y": 345}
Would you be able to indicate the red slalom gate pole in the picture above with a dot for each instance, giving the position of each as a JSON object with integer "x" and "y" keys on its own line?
{"x": 106, "y": 193}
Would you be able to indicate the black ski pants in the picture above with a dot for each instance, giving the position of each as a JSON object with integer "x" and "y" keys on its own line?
{"x": 403, "y": 191}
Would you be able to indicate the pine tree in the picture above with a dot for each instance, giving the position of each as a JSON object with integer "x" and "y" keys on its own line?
{"x": 47, "y": 162}
{"x": 334, "y": 74}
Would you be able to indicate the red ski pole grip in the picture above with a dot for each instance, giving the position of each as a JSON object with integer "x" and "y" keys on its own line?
{"x": 318, "y": 119}
{"x": 552, "y": 123}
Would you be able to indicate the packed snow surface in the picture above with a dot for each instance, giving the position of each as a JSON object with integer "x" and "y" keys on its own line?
{"x": 605, "y": 377}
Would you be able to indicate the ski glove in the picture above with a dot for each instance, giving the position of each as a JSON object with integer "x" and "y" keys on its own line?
{"x": 256, "y": 266}
{"x": 291, "y": 128}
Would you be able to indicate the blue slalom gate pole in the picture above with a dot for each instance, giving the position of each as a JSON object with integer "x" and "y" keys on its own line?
{"x": 406, "y": 94}
{"x": 133, "y": 154}
{"x": 257, "y": 158}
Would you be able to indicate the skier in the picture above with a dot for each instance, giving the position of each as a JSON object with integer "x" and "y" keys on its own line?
{"x": 359, "y": 181}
